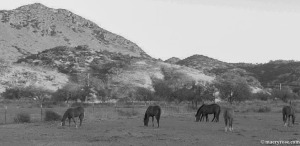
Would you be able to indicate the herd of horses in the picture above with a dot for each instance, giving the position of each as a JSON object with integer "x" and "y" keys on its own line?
{"x": 288, "y": 113}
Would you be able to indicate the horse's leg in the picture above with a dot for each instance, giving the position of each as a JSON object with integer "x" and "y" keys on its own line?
{"x": 225, "y": 119}
{"x": 214, "y": 117}
{"x": 284, "y": 117}
{"x": 201, "y": 117}
{"x": 157, "y": 119}
{"x": 218, "y": 114}
{"x": 69, "y": 122}
{"x": 153, "y": 121}
{"x": 74, "y": 121}
{"x": 289, "y": 121}
{"x": 230, "y": 122}
{"x": 80, "y": 118}
{"x": 206, "y": 117}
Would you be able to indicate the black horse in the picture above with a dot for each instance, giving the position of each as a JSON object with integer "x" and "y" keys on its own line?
{"x": 228, "y": 118}
{"x": 152, "y": 111}
{"x": 72, "y": 113}
{"x": 287, "y": 113}
{"x": 205, "y": 109}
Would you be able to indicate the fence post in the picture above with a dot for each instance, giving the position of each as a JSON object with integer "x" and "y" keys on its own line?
{"x": 93, "y": 107}
{"x": 41, "y": 112}
{"x": 5, "y": 114}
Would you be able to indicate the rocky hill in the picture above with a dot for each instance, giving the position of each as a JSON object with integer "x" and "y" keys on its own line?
{"x": 202, "y": 62}
{"x": 173, "y": 60}
{"x": 275, "y": 72}
{"x": 34, "y": 28}
{"x": 24, "y": 75}
{"x": 122, "y": 73}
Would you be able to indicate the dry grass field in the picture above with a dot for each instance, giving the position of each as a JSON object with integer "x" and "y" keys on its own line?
{"x": 106, "y": 125}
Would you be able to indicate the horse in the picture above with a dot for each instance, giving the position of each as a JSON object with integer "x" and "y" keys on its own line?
{"x": 152, "y": 111}
{"x": 287, "y": 113}
{"x": 228, "y": 118}
{"x": 205, "y": 109}
{"x": 72, "y": 113}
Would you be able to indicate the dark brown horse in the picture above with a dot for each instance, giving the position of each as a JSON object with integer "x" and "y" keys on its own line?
{"x": 287, "y": 113}
{"x": 152, "y": 111}
{"x": 72, "y": 113}
{"x": 228, "y": 118}
{"x": 205, "y": 109}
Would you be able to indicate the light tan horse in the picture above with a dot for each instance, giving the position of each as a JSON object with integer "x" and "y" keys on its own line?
{"x": 228, "y": 118}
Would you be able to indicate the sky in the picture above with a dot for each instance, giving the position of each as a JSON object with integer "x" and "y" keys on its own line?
{"x": 250, "y": 31}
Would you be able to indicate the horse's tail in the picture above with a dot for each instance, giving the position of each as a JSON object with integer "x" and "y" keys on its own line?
{"x": 145, "y": 117}
{"x": 159, "y": 112}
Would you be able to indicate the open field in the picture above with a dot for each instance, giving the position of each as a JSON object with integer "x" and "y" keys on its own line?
{"x": 109, "y": 126}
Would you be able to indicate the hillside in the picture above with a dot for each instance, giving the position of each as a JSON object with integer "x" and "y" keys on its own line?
{"x": 34, "y": 28}
{"x": 23, "y": 76}
{"x": 202, "y": 62}
{"x": 122, "y": 73}
{"x": 276, "y": 72}
{"x": 173, "y": 60}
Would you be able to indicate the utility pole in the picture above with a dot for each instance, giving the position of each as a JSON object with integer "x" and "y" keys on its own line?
{"x": 280, "y": 86}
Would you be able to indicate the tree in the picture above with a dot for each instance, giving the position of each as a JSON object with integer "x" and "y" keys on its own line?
{"x": 143, "y": 94}
{"x": 233, "y": 87}
{"x": 162, "y": 90}
{"x": 285, "y": 93}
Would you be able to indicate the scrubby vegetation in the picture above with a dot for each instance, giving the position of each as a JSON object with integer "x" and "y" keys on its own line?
{"x": 22, "y": 118}
{"x": 52, "y": 116}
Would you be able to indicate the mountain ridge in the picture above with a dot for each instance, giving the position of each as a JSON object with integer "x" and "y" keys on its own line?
{"x": 33, "y": 28}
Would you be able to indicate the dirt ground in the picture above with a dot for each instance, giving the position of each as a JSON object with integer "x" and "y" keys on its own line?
{"x": 174, "y": 130}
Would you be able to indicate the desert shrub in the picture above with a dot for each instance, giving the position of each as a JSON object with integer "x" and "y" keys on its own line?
{"x": 129, "y": 113}
{"x": 264, "y": 109}
{"x": 261, "y": 96}
{"x": 22, "y": 118}
{"x": 52, "y": 116}
{"x": 285, "y": 94}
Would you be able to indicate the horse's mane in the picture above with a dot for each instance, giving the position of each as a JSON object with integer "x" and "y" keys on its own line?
{"x": 200, "y": 109}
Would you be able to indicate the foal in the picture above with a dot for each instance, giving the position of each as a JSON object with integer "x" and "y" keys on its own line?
{"x": 228, "y": 118}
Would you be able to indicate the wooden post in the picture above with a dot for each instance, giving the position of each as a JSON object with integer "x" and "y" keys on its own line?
{"x": 41, "y": 112}
{"x": 93, "y": 107}
{"x": 5, "y": 114}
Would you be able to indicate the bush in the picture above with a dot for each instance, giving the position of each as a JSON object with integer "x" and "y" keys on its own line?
{"x": 264, "y": 109}
{"x": 52, "y": 116}
{"x": 261, "y": 96}
{"x": 22, "y": 118}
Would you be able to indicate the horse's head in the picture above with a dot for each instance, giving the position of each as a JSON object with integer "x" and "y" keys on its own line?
{"x": 198, "y": 116}
{"x": 62, "y": 122}
{"x": 146, "y": 120}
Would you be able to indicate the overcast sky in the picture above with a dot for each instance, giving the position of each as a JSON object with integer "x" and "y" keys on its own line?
{"x": 251, "y": 31}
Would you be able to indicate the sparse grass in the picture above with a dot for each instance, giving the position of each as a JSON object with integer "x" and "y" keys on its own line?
{"x": 52, "y": 116}
{"x": 264, "y": 109}
{"x": 127, "y": 113}
{"x": 22, "y": 118}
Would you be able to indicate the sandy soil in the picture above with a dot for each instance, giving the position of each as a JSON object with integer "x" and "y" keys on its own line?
{"x": 179, "y": 130}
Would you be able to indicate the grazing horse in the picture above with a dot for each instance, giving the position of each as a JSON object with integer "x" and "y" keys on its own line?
{"x": 152, "y": 111}
{"x": 287, "y": 113}
{"x": 228, "y": 118}
{"x": 72, "y": 113}
{"x": 204, "y": 110}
